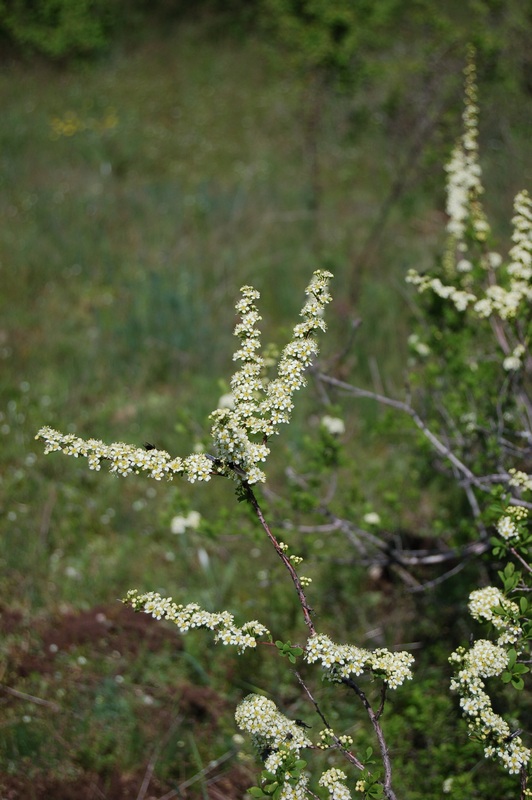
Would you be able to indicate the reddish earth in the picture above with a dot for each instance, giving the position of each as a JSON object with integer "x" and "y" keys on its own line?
{"x": 111, "y": 629}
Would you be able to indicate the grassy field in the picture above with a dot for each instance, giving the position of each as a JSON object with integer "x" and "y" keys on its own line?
{"x": 138, "y": 194}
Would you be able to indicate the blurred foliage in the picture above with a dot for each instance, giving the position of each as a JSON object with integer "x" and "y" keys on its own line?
{"x": 57, "y": 29}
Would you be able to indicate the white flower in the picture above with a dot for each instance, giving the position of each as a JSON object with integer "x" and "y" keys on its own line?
{"x": 372, "y": 518}
{"x": 464, "y": 265}
{"x": 226, "y": 401}
{"x": 507, "y": 528}
{"x": 334, "y": 425}
{"x": 178, "y": 524}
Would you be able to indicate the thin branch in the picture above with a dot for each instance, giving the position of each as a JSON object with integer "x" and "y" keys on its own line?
{"x": 30, "y": 698}
{"x": 438, "y": 445}
{"x": 350, "y": 757}
{"x": 286, "y": 561}
{"x": 440, "y": 579}
{"x": 521, "y": 560}
{"x": 198, "y": 776}
{"x": 374, "y": 719}
{"x": 155, "y": 756}
{"x": 383, "y": 699}
{"x": 441, "y": 448}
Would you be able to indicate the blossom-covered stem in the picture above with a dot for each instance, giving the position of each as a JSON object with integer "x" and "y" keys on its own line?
{"x": 250, "y": 497}
{"x": 350, "y": 757}
{"x": 374, "y": 719}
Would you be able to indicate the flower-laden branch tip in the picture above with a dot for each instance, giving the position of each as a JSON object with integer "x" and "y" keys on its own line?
{"x": 239, "y": 433}
{"x": 193, "y": 616}
{"x": 342, "y": 661}
{"x": 507, "y": 288}
{"x": 486, "y": 660}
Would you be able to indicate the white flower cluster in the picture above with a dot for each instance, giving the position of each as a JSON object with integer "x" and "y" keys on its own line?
{"x": 506, "y": 302}
{"x": 277, "y": 735}
{"x": 193, "y": 616}
{"x": 482, "y": 603}
{"x": 520, "y": 267}
{"x": 259, "y": 407}
{"x": 280, "y": 760}
{"x": 507, "y": 525}
{"x": 180, "y": 523}
{"x": 333, "y": 780}
{"x": 260, "y": 717}
{"x": 343, "y": 660}
{"x": 514, "y": 361}
{"x": 464, "y": 185}
{"x": 461, "y": 299}
{"x": 124, "y": 459}
{"x": 297, "y": 792}
{"x": 520, "y": 479}
{"x": 334, "y": 425}
{"x": 419, "y": 347}
{"x": 507, "y": 528}
{"x": 512, "y": 291}
{"x": 255, "y": 409}
{"x": 486, "y": 660}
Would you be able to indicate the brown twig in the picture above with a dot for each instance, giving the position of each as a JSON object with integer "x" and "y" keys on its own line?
{"x": 199, "y": 775}
{"x": 155, "y": 756}
{"x": 374, "y": 719}
{"x": 521, "y": 560}
{"x": 30, "y": 698}
{"x": 286, "y": 561}
{"x": 350, "y": 757}
{"x": 441, "y": 448}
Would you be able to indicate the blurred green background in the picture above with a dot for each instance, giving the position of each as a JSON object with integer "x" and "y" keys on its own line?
{"x": 154, "y": 157}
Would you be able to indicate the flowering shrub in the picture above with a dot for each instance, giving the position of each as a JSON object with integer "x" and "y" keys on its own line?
{"x": 484, "y": 302}
{"x": 503, "y": 659}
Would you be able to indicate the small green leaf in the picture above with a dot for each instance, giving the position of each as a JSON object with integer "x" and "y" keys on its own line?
{"x": 518, "y": 683}
{"x": 255, "y": 791}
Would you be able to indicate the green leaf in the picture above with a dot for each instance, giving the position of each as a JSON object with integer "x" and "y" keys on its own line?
{"x": 256, "y": 791}
{"x": 523, "y": 605}
{"x": 518, "y": 683}
{"x": 506, "y": 677}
